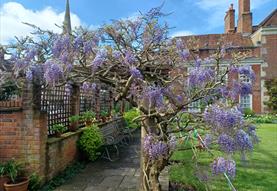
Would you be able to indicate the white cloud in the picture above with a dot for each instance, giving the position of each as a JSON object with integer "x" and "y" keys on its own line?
{"x": 12, "y": 16}
{"x": 182, "y": 33}
{"x": 216, "y": 9}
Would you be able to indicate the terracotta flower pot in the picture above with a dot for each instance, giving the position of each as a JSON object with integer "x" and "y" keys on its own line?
{"x": 73, "y": 126}
{"x": 22, "y": 185}
{"x": 3, "y": 179}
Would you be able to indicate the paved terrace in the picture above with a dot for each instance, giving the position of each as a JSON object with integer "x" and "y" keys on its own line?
{"x": 120, "y": 175}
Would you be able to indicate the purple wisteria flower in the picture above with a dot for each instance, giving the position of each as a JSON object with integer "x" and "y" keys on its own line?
{"x": 219, "y": 166}
{"x": 129, "y": 57}
{"x": 52, "y": 72}
{"x": 99, "y": 59}
{"x": 200, "y": 76}
{"x": 153, "y": 97}
{"x": 29, "y": 75}
{"x": 247, "y": 71}
{"x": 243, "y": 141}
{"x": 116, "y": 54}
{"x": 223, "y": 119}
{"x": 135, "y": 73}
{"x": 68, "y": 88}
{"x": 226, "y": 143}
{"x": 184, "y": 54}
{"x": 31, "y": 53}
{"x": 245, "y": 88}
{"x": 208, "y": 140}
{"x": 61, "y": 43}
{"x": 231, "y": 168}
{"x": 86, "y": 87}
{"x": 155, "y": 149}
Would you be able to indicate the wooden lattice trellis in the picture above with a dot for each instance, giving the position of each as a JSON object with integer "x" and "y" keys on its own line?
{"x": 56, "y": 103}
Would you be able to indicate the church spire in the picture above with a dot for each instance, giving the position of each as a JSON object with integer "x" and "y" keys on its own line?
{"x": 67, "y": 20}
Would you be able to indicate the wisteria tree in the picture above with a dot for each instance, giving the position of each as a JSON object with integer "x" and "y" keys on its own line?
{"x": 160, "y": 76}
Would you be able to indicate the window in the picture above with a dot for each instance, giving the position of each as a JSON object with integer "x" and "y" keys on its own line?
{"x": 246, "y": 102}
{"x": 244, "y": 78}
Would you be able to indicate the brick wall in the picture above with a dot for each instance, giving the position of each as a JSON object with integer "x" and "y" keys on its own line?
{"x": 60, "y": 152}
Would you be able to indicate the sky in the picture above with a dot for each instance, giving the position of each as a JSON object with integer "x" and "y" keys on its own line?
{"x": 186, "y": 17}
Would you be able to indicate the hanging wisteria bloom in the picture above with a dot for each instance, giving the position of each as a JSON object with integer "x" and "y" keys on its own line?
{"x": 99, "y": 59}
{"x": 52, "y": 72}
{"x": 135, "y": 73}
{"x": 199, "y": 76}
{"x": 223, "y": 119}
{"x": 226, "y": 143}
{"x": 155, "y": 149}
{"x": 129, "y": 58}
{"x": 247, "y": 71}
{"x": 220, "y": 166}
{"x": 243, "y": 141}
{"x": 86, "y": 87}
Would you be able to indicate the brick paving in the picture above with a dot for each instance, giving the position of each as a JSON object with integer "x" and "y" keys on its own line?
{"x": 120, "y": 175}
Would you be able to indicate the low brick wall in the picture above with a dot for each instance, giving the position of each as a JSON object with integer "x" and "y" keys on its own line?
{"x": 61, "y": 152}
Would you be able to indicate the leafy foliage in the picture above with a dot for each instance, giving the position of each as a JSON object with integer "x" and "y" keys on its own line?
{"x": 271, "y": 86}
{"x": 74, "y": 118}
{"x": 129, "y": 117}
{"x": 264, "y": 119}
{"x": 34, "y": 182}
{"x": 59, "y": 128}
{"x": 90, "y": 142}
{"x": 88, "y": 116}
{"x": 13, "y": 170}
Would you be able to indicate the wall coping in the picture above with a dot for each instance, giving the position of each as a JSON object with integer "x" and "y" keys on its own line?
{"x": 10, "y": 109}
{"x": 52, "y": 140}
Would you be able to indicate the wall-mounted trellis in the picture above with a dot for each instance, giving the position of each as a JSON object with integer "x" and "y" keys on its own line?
{"x": 56, "y": 102}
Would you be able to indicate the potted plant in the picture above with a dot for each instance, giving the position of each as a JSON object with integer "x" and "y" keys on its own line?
{"x": 74, "y": 122}
{"x": 88, "y": 118}
{"x": 104, "y": 115}
{"x": 59, "y": 129}
{"x": 3, "y": 177}
{"x": 16, "y": 182}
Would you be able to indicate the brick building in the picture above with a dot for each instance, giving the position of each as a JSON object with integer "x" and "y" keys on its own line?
{"x": 259, "y": 40}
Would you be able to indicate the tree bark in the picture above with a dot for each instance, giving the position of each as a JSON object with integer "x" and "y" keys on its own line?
{"x": 149, "y": 172}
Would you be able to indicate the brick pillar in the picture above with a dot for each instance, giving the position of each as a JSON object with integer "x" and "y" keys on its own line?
{"x": 75, "y": 100}
{"x": 33, "y": 129}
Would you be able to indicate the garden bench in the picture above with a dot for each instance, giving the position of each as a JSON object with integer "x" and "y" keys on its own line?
{"x": 112, "y": 138}
{"x": 123, "y": 126}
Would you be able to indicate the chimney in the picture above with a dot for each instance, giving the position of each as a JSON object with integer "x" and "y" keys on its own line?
{"x": 230, "y": 20}
{"x": 245, "y": 17}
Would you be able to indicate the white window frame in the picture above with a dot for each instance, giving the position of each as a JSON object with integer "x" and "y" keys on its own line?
{"x": 250, "y": 101}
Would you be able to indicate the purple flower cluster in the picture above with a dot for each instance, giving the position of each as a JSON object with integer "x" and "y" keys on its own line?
{"x": 135, "y": 73}
{"x": 60, "y": 44}
{"x": 220, "y": 166}
{"x": 247, "y": 71}
{"x": 200, "y": 76}
{"x": 52, "y": 72}
{"x": 116, "y": 54}
{"x": 153, "y": 97}
{"x": 223, "y": 119}
{"x": 184, "y": 54}
{"x": 208, "y": 140}
{"x": 155, "y": 149}
{"x": 243, "y": 141}
{"x": 129, "y": 57}
{"x": 99, "y": 59}
{"x": 87, "y": 87}
{"x": 226, "y": 143}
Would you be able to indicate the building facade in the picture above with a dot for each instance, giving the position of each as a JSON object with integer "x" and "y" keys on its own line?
{"x": 259, "y": 41}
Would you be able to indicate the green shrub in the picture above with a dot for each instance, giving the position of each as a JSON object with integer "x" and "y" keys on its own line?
{"x": 90, "y": 142}
{"x": 88, "y": 116}
{"x": 129, "y": 117}
{"x": 59, "y": 128}
{"x": 271, "y": 86}
{"x": 264, "y": 119}
{"x": 248, "y": 112}
{"x": 74, "y": 118}
{"x": 2, "y": 169}
{"x": 34, "y": 182}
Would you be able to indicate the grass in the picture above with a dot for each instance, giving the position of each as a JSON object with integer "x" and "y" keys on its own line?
{"x": 259, "y": 173}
